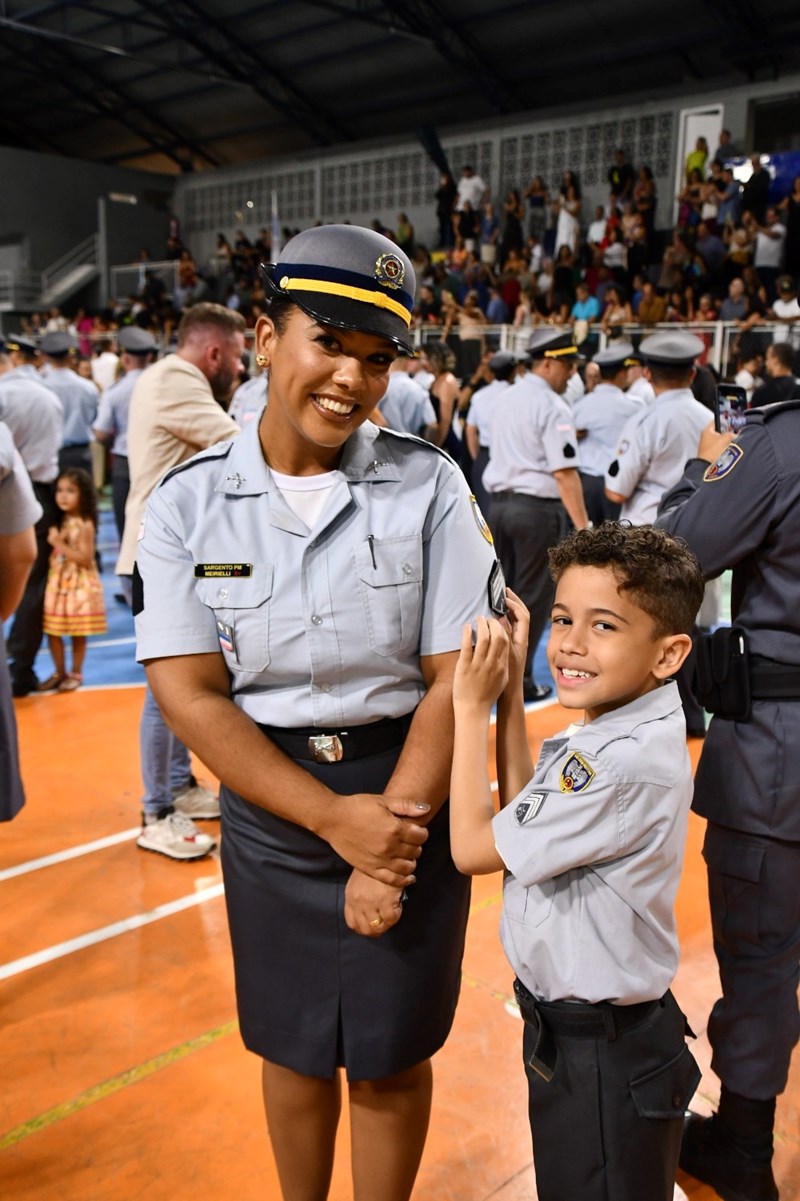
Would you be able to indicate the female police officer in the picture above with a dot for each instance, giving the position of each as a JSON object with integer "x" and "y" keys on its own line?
{"x": 303, "y": 589}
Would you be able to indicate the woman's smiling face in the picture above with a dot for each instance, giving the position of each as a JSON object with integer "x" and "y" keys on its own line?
{"x": 323, "y": 384}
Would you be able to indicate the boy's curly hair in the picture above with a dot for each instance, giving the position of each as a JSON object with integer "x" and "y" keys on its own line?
{"x": 661, "y": 574}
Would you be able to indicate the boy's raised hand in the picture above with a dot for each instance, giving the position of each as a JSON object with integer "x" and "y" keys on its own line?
{"x": 519, "y": 621}
{"x": 482, "y": 669}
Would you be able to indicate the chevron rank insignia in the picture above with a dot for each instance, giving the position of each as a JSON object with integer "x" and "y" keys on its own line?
{"x": 528, "y": 807}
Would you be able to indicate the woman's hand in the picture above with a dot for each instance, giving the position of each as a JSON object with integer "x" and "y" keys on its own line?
{"x": 369, "y": 832}
{"x": 482, "y": 668}
{"x": 371, "y": 908}
{"x": 53, "y": 536}
{"x": 519, "y": 619}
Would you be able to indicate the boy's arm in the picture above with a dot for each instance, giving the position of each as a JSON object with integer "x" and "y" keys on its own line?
{"x": 481, "y": 674}
{"x": 514, "y": 762}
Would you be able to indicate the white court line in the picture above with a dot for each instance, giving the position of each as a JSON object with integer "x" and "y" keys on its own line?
{"x": 59, "y": 950}
{"x": 85, "y": 848}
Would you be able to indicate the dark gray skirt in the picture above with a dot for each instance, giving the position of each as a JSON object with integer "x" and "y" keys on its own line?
{"x": 311, "y": 994}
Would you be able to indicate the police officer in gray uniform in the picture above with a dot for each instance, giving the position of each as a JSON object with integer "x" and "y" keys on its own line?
{"x": 139, "y": 349}
{"x": 477, "y": 427}
{"x": 303, "y": 594}
{"x": 599, "y": 417}
{"x": 19, "y": 510}
{"x": 249, "y": 399}
{"x": 532, "y": 479}
{"x": 78, "y": 396}
{"x": 34, "y": 415}
{"x": 405, "y": 406}
{"x": 738, "y": 507}
{"x": 656, "y": 441}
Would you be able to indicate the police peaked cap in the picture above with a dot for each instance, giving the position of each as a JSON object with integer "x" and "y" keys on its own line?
{"x": 620, "y": 355}
{"x": 21, "y": 342}
{"x": 671, "y": 350}
{"x": 348, "y": 277}
{"x": 553, "y": 344}
{"x": 504, "y": 360}
{"x": 135, "y": 340}
{"x": 57, "y": 344}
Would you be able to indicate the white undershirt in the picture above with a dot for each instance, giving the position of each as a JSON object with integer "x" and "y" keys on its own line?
{"x": 306, "y": 494}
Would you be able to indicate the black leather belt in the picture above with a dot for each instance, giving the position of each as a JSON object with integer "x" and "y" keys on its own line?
{"x": 773, "y": 681}
{"x": 536, "y": 500}
{"x": 574, "y": 1020}
{"x": 332, "y": 746}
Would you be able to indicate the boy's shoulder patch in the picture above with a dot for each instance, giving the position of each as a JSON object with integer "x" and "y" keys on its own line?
{"x": 576, "y": 774}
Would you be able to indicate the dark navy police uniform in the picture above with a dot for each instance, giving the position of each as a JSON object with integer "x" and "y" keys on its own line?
{"x": 743, "y": 512}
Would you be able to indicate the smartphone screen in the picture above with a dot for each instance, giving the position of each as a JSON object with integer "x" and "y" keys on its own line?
{"x": 730, "y": 406}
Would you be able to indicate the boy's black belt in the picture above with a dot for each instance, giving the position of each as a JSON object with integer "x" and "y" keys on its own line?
{"x": 317, "y": 745}
{"x": 574, "y": 1020}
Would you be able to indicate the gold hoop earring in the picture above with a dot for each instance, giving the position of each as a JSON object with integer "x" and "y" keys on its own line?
{"x": 262, "y": 360}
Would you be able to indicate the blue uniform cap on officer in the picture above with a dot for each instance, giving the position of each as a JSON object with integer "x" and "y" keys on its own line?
{"x": 620, "y": 355}
{"x": 21, "y": 343}
{"x": 58, "y": 344}
{"x": 348, "y": 277}
{"x": 134, "y": 340}
{"x": 671, "y": 350}
{"x": 503, "y": 363}
{"x": 553, "y": 344}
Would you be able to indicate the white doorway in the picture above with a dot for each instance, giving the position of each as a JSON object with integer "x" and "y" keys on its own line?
{"x": 694, "y": 123}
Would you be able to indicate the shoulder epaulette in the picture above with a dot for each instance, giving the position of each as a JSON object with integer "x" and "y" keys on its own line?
{"x": 384, "y": 430}
{"x": 769, "y": 411}
{"x": 220, "y": 451}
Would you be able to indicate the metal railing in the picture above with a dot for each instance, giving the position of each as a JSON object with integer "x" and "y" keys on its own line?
{"x": 720, "y": 337}
{"x": 130, "y": 278}
{"x": 85, "y": 254}
{"x": 19, "y": 289}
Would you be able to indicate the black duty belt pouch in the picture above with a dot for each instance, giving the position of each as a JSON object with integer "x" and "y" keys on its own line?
{"x": 722, "y": 673}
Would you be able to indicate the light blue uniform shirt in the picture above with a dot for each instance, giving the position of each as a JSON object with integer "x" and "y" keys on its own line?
{"x": 532, "y": 435}
{"x": 327, "y": 625}
{"x": 19, "y": 508}
{"x": 594, "y": 868}
{"x": 79, "y": 399}
{"x": 35, "y": 417}
{"x": 249, "y": 400}
{"x": 481, "y": 411}
{"x": 654, "y": 446}
{"x": 406, "y": 406}
{"x": 112, "y": 414}
{"x": 602, "y": 413}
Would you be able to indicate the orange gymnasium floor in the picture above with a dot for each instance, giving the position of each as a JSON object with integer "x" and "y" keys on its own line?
{"x": 122, "y": 1072}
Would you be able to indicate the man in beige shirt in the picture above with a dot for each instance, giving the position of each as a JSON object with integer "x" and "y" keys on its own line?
{"x": 177, "y": 410}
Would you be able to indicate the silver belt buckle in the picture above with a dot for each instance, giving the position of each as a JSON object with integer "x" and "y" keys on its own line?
{"x": 326, "y": 748}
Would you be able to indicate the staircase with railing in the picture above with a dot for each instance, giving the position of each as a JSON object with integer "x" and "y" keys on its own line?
{"x": 22, "y": 290}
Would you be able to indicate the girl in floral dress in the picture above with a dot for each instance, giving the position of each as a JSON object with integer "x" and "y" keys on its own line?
{"x": 73, "y": 599}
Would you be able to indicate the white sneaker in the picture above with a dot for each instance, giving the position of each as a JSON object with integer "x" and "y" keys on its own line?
{"x": 196, "y": 802}
{"x": 176, "y": 836}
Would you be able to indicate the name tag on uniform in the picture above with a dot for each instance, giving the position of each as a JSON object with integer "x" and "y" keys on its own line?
{"x": 221, "y": 571}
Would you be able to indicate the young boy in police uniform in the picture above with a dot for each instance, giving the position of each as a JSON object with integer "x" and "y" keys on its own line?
{"x": 592, "y": 841}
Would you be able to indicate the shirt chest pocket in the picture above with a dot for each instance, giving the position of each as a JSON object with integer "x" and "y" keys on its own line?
{"x": 390, "y": 580}
{"x": 241, "y": 611}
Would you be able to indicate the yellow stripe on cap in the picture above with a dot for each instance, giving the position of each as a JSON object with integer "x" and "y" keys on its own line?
{"x": 556, "y": 354}
{"x": 379, "y": 299}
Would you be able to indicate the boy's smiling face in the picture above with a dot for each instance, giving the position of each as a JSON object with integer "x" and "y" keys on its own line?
{"x": 602, "y": 650}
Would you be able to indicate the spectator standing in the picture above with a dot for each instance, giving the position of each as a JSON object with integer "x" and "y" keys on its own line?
{"x": 770, "y": 239}
{"x": 786, "y": 311}
{"x": 538, "y": 199}
{"x": 177, "y": 410}
{"x": 621, "y": 179}
{"x": 445, "y": 203}
{"x": 513, "y": 237}
{"x": 696, "y": 159}
{"x": 470, "y": 189}
{"x": 755, "y": 193}
{"x": 781, "y": 384}
{"x": 790, "y": 210}
{"x": 490, "y": 234}
{"x": 726, "y": 148}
